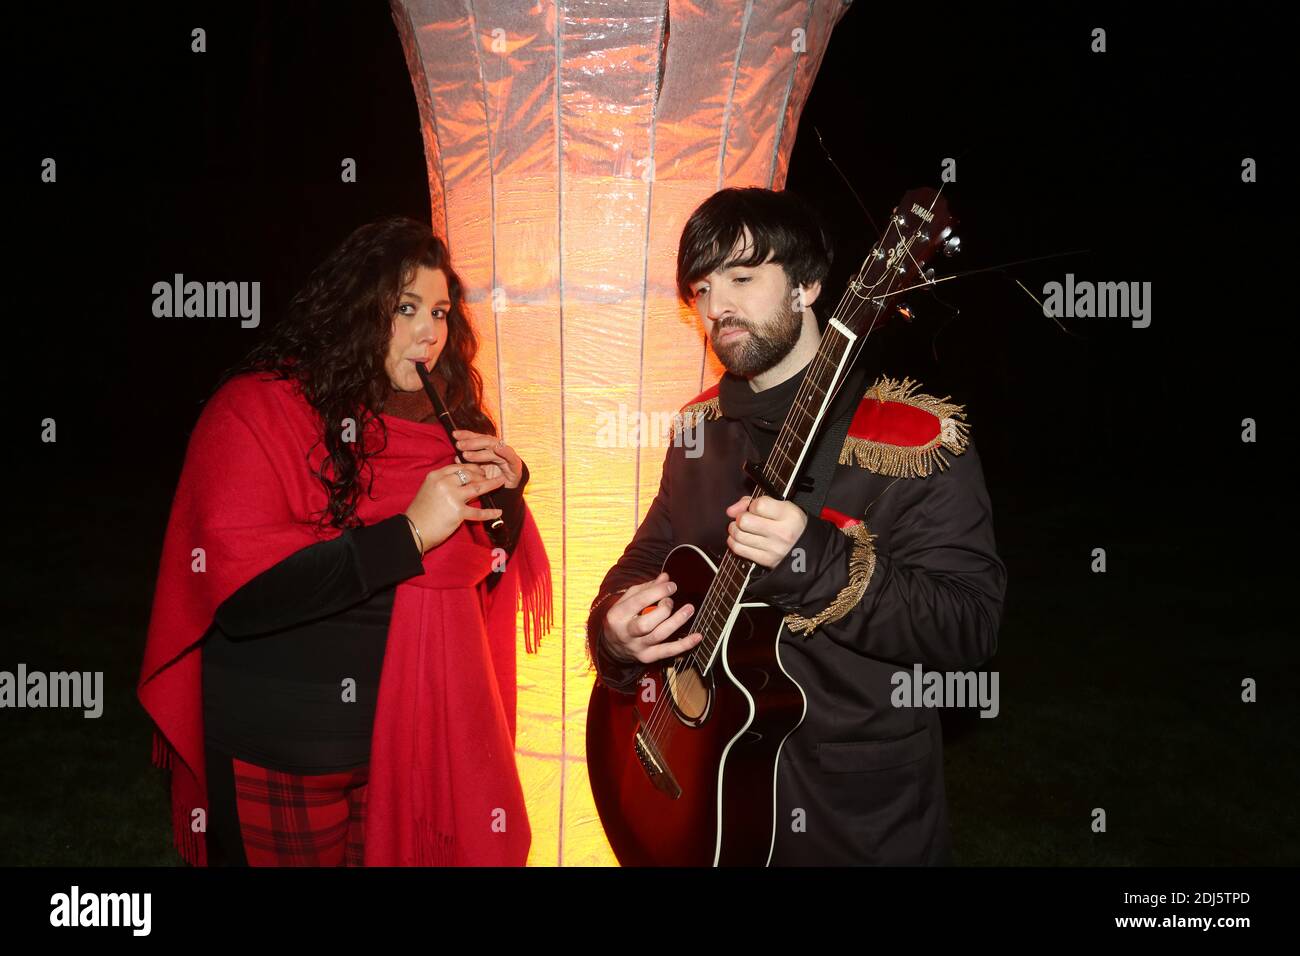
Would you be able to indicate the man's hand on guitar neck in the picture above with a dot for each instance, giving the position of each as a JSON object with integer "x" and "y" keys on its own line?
{"x": 638, "y": 624}
{"x": 764, "y": 530}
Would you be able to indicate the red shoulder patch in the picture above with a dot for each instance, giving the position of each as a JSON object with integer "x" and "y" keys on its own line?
{"x": 839, "y": 518}
{"x": 899, "y": 431}
{"x": 702, "y": 407}
{"x": 709, "y": 393}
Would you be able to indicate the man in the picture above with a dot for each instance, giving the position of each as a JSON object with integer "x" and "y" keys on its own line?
{"x": 898, "y": 569}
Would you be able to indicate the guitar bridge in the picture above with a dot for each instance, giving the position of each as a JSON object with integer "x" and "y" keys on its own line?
{"x": 653, "y": 764}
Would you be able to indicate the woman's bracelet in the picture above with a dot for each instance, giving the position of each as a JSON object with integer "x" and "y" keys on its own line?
{"x": 418, "y": 537}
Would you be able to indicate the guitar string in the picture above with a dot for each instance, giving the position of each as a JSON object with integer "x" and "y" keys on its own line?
{"x": 660, "y": 712}
{"x": 800, "y": 399}
{"x": 800, "y": 402}
{"x": 714, "y": 601}
{"x": 783, "y": 442}
{"x": 804, "y": 388}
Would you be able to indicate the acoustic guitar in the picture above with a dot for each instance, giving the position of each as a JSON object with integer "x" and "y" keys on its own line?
{"x": 684, "y": 771}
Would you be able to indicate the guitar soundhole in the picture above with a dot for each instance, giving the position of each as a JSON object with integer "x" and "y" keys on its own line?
{"x": 688, "y": 691}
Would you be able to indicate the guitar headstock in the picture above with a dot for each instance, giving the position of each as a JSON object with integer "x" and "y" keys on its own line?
{"x": 920, "y": 226}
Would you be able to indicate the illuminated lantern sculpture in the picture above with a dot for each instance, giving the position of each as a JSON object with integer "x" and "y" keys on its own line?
{"x": 567, "y": 143}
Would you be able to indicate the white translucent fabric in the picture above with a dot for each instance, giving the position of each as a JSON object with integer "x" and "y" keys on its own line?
{"x": 561, "y": 174}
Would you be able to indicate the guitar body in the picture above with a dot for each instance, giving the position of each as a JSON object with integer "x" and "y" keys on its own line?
{"x": 716, "y": 742}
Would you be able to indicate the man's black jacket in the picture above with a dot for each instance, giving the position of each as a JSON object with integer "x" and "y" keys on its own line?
{"x": 900, "y": 569}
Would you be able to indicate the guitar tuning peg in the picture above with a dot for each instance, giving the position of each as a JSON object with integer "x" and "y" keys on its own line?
{"x": 929, "y": 274}
{"x": 952, "y": 246}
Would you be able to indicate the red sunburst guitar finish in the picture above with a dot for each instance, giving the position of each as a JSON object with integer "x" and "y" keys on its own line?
{"x": 719, "y": 739}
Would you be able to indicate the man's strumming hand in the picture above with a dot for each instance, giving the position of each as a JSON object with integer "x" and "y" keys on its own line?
{"x": 638, "y": 624}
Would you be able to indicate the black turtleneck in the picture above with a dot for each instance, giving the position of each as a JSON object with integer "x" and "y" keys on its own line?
{"x": 762, "y": 412}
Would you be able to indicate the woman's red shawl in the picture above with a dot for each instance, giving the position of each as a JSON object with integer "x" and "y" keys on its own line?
{"x": 443, "y": 787}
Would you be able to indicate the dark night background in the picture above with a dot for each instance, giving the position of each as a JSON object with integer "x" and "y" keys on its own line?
{"x": 1118, "y": 690}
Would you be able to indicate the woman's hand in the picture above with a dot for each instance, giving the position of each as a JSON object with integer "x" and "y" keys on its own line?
{"x": 492, "y": 453}
{"x": 440, "y": 505}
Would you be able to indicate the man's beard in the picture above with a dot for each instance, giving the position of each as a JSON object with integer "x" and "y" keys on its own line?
{"x": 757, "y": 352}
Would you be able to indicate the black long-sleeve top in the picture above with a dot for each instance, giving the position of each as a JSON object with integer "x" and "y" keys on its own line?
{"x": 282, "y": 647}
{"x": 935, "y": 593}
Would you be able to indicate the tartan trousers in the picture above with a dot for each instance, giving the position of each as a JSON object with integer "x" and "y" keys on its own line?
{"x": 263, "y": 817}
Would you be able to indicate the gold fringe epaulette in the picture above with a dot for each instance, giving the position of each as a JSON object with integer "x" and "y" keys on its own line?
{"x": 880, "y": 440}
{"x": 862, "y": 564}
{"x": 700, "y": 409}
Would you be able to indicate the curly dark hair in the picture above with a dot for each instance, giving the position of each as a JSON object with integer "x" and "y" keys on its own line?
{"x": 335, "y": 339}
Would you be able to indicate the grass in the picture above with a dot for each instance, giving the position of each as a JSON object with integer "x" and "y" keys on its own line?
{"x": 1119, "y": 691}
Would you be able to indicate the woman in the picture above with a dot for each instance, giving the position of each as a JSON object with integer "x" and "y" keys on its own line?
{"x": 330, "y": 660}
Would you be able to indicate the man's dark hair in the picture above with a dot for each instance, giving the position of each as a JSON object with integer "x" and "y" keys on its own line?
{"x": 780, "y": 223}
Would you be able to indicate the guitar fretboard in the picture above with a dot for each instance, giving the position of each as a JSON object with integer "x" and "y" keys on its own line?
{"x": 782, "y": 465}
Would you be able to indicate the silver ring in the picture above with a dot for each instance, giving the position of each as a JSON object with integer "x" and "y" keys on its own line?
{"x": 464, "y": 478}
